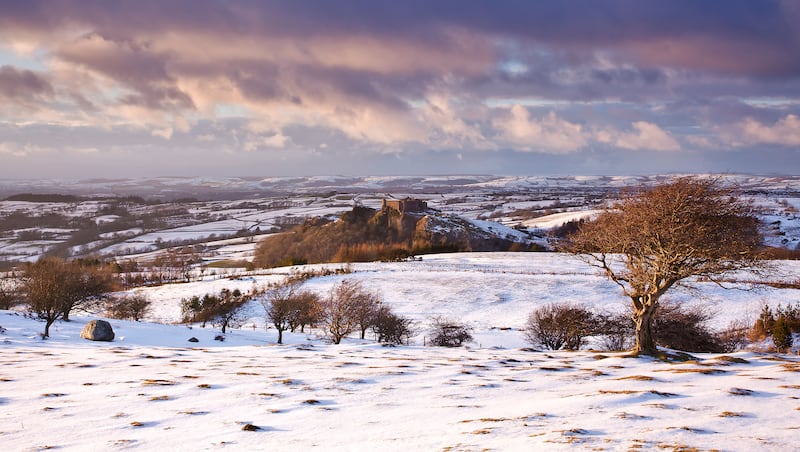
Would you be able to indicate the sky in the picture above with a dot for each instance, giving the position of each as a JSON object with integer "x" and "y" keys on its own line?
{"x": 93, "y": 88}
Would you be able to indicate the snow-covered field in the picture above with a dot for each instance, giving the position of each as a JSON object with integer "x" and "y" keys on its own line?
{"x": 152, "y": 389}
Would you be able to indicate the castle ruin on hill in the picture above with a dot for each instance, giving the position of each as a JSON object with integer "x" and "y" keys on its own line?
{"x": 405, "y": 205}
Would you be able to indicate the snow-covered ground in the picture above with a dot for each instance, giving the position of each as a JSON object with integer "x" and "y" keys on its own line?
{"x": 152, "y": 389}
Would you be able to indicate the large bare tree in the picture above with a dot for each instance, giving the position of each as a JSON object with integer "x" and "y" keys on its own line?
{"x": 653, "y": 238}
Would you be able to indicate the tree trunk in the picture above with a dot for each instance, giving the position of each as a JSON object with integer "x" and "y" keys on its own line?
{"x": 47, "y": 325}
{"x": 643, "y": 320}
{"x": 280, "y": 336}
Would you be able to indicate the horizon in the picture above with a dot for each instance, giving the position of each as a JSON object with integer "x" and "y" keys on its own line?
{"x": 277, "y": 89}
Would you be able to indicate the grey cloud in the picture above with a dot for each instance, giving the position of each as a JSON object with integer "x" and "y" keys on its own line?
{"x": 22, "y": 84}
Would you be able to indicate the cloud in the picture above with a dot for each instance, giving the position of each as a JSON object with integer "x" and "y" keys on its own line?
{"x": 784, "y": 132}
{"x": 645, "y": 136}
{"x": 550, "y": 133}
{"x": 277, "y": 141}
{"x": 386, "y": 77}
{"x": 23, "y": 87}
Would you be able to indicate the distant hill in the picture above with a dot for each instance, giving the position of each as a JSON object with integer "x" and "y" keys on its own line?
{"x": 364, "y": 234}
{"x": 43, "y": 197}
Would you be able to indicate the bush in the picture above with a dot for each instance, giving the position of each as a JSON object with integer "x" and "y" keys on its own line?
{"x": 615, "y": 331}
{"x": 782, "y": 335}
{"x": 559, "y": 325}
{"x": 734, "y": 337}
{"x": 448, "y": 333}
{"x": 763, "y": 325}
{"x": 223, "y": 310}
{"x": 391, "y": 328}
{"x": 128, "y": 307}
{"x": 685, "y": 329}
{"x": 9, "y": 294}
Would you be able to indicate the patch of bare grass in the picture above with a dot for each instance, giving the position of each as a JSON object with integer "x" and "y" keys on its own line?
{"x": 730, "y": 360}
{"x": 732, "y": 414}
{"x": 694, "y": 370}
{"x": 156, "y": 382}
{"x": 638, "y": 378}
{"x": 618, "y": 391}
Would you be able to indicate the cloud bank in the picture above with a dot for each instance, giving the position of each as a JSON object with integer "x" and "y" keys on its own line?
{"x": 355, "y": 86}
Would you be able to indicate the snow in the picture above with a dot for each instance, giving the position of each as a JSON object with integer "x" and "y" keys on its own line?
{"x": 151, "y": 389}
{"x": 558, "y": 219}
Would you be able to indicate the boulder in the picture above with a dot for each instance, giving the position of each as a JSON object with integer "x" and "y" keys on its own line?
{"x": 194, "y": 339}
{"x": 98, "y": 330}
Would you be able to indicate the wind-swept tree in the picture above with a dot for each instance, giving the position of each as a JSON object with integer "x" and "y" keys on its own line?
{"x": 654, "y": 238}
{"x": 288, "y": 306}
{"x": 54, "y": 287}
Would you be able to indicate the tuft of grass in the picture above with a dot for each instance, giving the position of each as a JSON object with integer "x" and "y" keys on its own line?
{"x": 156, "y": 382}
{"x": 732, "y": 414}
{"x": 618, "y": 391}
{"x": 662, "y": 394}
{"x": 159, "y": 398}
{"x": 740, "y": 392}
{"x": 53, "y": 394}
{"x": 731, "y": 359}
{"x": 312, "y": 402}
{"x": 638, "y": 378}
{"x": 204, "y": 386}
{"x": 791, "y": 367}
{"x": 137, "y": 424}
{"x": 250, "y": 428}
{"x": 694, "y": 370}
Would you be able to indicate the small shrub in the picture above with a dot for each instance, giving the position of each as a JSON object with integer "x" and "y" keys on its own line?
{"x": 615, "y": 331}
{"x": 128, "y": 307}
{"x": 391, "y": 328}
{"x": 763, "y": 325}
{"x": 782, "y": 335}
{"x": 448, "y": 333}
{"x": 734, "y": 337}
{"x": 681, "y": 328}
{"x": 559, "y": 325}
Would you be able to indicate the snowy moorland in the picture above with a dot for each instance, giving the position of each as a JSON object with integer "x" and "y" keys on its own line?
{"x": 152, "y": 389}
{"x": 109, "y": 222}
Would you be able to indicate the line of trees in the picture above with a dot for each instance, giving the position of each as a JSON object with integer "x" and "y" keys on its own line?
{"x": 348, "y": 308}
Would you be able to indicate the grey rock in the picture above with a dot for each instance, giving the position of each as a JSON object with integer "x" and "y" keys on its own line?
{"x": 98, "y": 330}
{"x": 194, "y": 339}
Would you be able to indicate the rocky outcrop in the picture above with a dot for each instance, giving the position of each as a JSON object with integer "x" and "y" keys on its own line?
{"x": 98, "y": 330}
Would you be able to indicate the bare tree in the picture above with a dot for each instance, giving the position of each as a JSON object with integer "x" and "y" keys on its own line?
{"x": 309, "y": 310}
{"x": 365, "y": 309}
{"x": 341, "y": 309}
{"x": 288, "y": 307}
{"x": 54, "y": 287}
{"x": 654, "y": 238}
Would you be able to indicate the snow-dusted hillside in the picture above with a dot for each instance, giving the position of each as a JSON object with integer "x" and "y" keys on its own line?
{"x": 152, "y": 389}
